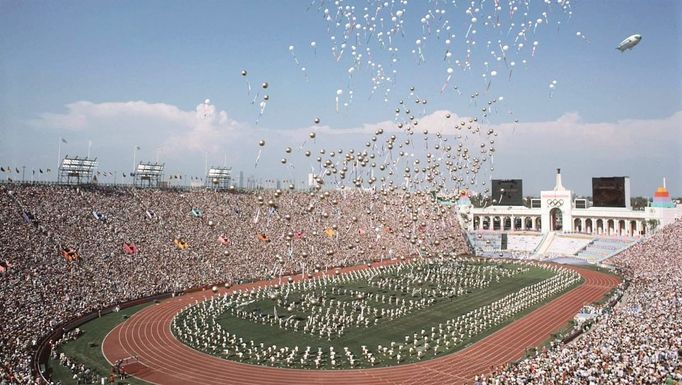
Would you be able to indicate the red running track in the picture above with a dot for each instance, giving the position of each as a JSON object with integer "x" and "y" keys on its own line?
{"x": 165, "y": 360}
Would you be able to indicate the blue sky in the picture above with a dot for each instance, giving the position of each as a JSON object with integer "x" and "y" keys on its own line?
{"x": 134, "y": 73}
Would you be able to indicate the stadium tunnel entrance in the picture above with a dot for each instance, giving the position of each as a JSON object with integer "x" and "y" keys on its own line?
{"x": 555, "y": 219}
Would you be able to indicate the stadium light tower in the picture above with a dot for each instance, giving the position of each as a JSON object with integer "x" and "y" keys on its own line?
{"x": 149, "y": 174}
{"x": 219, "y": 178}
{"x": 75, "y": 170}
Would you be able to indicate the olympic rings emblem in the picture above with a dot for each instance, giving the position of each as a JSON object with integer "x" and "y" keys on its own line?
{"x": 555, "y": 202}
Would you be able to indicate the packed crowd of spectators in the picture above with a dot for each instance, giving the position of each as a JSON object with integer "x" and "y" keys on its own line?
{"x": 638, "y": 342}
{"x": 230, "y": 237}
{"x": 234, "y": 236}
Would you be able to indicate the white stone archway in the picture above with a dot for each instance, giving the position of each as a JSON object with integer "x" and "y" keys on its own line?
{"x": 555, "y": 219}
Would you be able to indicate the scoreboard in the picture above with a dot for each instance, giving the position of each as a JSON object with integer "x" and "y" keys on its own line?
{"x": 507, "y": 192}
{"x": 610, "y": 191}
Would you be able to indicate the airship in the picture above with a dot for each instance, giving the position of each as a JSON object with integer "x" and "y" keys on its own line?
{"x": 628, "y": 43}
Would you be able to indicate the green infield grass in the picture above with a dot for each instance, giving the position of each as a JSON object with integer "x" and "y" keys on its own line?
{"x": 282, "y": 317}
{"x": 87, "y": 349}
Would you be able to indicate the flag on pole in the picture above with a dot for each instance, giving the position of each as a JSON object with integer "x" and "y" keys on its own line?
{"x": 63, "y": 140}
{"x": 138, "y": 147}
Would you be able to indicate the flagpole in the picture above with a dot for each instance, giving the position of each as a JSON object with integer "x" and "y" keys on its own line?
{"x": 134, "y": 156}
{"x": 59, "y": 154}
{"x": 89, "y": 146}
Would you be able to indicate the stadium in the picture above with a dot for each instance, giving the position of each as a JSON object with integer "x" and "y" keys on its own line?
{"x": 349, "y": 302}
{"x": 376, "y": 192}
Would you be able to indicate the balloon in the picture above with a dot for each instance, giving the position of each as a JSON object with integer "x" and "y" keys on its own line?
{"x": 339, "y": 92}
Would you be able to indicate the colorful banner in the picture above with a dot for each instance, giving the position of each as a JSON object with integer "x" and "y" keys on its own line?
{"x": 70, "y": 255}
{"x": 99, "y": 216}
{"x": 180, "y": 244}
{"x": 130, "y": 248}
{"x": 28, "y": 217}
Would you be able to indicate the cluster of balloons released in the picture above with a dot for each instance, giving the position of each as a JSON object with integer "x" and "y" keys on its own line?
{"x": 452, "y": 155}
{"x": 371, "y": 36}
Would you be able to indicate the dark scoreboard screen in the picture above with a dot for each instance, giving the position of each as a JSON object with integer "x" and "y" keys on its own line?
{"x": 507, "y": 192}
{"x": 608, "y": 192}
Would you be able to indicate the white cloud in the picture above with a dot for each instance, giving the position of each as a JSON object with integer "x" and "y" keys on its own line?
{"x": 206, "y": 128}
{"x": 569, "y": 133}
{"x": 183, "y": 136}
{"x": 173, "y": 129}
